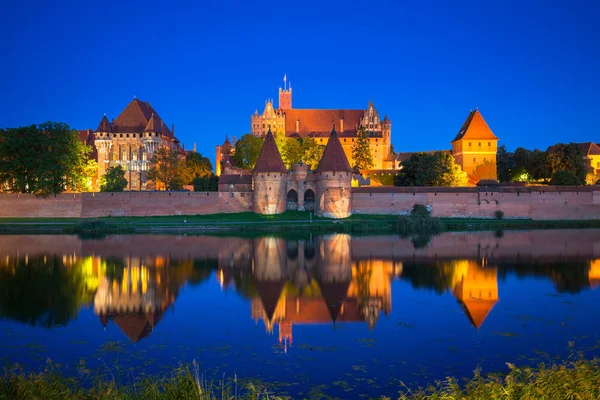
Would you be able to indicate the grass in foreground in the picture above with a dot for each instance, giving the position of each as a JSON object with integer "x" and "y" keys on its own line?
{"x": 579, "y": 379}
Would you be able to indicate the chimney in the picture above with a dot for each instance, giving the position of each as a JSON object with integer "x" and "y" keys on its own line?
{"x": 297, "y": 126}
{"x": 173, "y": 129}
{"x": 341, "y": 125}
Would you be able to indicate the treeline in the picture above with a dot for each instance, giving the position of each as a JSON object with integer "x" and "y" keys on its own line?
{"x": 44, "y": 159}
{"x": 562, "y": 164}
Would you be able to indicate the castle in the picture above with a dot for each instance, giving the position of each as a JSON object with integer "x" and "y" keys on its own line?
{"x": 130, "y": 142}
{"x": 474, "y": 145}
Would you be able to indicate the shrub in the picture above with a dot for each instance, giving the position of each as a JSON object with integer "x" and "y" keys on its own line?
{"x": 499, "y": 214}
{"x": 564, "y": 178}
{"x": 420, "y": 211}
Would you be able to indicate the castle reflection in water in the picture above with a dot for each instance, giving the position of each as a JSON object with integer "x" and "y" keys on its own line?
{"x": 133, "y": 280}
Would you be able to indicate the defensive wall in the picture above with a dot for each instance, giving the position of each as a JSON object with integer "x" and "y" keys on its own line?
{"x": 550, "y": 202}
{"x": 543, "y": 202}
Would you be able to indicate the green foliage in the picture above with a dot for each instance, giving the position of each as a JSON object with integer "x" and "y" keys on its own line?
{"x": 437, "y": 169}
{"x": 198, "y": 166}
{"x": 206, "y": 184}
{"x": 43, "y": 159}
{"x": 505, "y": 164}
{"x": 306, "y": 150}
{"x": 419, "y": 210}
{"x": 247, "y": 150}
{"x": 499, "y": 214}
{"x": 361, "y": 150}
{"x": 114, "y": 180}
{"x": 564, "y": 178}
{"x": 168, "y": 171}
{"x": 568, "y": 157}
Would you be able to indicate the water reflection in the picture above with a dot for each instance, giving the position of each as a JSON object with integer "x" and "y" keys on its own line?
{"x": 132, "y": 281}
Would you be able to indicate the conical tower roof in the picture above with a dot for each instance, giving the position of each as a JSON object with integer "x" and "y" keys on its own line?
{"x": 477, "y": 310}
{"x": 269, "y": 159}
{"x": 269, "y": 292}
{"x": 104, "y": 125}
{"x": 334, "y": 293}
{"x": 334, "y": 158}
{"x": 155, "y": 124}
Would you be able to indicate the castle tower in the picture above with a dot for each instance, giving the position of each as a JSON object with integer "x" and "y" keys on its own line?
{"x": 270, "y": 179}
{"x": 285, "y": 95}
{"x": 476, "y": 291}
{"x": 223, "y": 154}
{"x": 103, "y": 144}
{"x": 333, "y": 180}
{"x": 475, "y": 144}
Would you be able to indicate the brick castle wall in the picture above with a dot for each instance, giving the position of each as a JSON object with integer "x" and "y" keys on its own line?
{"x": 535, "y": 203}
{"x": 91, "y": 205}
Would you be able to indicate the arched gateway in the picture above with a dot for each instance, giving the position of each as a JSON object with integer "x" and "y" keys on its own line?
{"x": 309, "y": 200}
{"x": 292, "y": 200}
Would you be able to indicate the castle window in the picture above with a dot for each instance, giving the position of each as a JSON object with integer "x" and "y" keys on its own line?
{"x": 473, "y": 159}
{"x": 232, "y": 194}
{"x": 489, "y": 144}
{"x": 231, "y": 186}
{"x": 479, "y": 144}
{"x": 469, "y": 144}
{"x": 128, "y": 135}
{"x": 484, "y": 159}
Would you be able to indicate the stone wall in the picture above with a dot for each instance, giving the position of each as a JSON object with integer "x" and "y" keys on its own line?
{"x": 532, "y": 202}
{"x": 91, "y": 205}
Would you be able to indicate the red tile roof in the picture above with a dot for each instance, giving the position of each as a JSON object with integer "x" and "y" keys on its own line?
{"x": 475, "y": 128}
{"x": 135, "y": 117}
{"x": 334, "y": 293}
{"x": 104, "y": 125}
{"x": 269, "y": 159}
{"x": 269, "y": 292}
{"x": 334, "y": 158}
{"x": 155, "y": 125}
{"x": 318, "y": 122}
{"x": 587, "y": 148}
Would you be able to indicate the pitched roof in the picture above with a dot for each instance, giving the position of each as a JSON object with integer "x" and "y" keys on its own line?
{"x": 269, "y": 292}
{"x": 155, "y": 125}
{"x": 136, "y": 325}
{"x": 104, "y": 125}
{"x": 334, "y": 293}
{"x": 269, "y": 159}
{"x": 226, "y": 147}
{"x": 475, "y": 128}
{"x": 334, "y": 158}
{"x": 477, "y": 310}
{"x": 318, "y": 122}
{"x": 235, "y": 179}
{"x": 589, "y": 148}
{"x": 135, "y": 117}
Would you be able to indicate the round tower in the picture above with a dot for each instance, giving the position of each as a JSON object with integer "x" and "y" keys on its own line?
{"x": 270, "y": 179}
{"x": 333, "y": 181}
{"x": 299, "y": 174}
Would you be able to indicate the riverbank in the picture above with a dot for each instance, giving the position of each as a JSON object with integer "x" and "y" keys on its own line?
{"x": 250, "y": 222}
{"x": 578, "y": 379}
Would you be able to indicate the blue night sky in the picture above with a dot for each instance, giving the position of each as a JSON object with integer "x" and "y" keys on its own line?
{"x": 532, "y": 69}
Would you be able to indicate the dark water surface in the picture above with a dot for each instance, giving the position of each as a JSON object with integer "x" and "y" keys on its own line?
{"x": 339, "y": 314}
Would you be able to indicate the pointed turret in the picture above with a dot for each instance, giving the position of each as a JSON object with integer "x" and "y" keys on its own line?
{"x": 104, "y": 126}
{"x": 226, "y": 147}
{"x": 334, "y": 158}
{"x": 475, "y": 128}
{"x": 334, "y": 294}
{"x": 269, "y": 292}
{"x": 269, "y": 159}
{"x": 155, "y": 125}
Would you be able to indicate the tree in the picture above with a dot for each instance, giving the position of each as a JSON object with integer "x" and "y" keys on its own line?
{"x": 361, "y": 150}
{"x": 293, "y": 152}
{"x": 168, "y": 170}
{"x": 562, "y": 178}
{"x": 568, "y": 157}
{"x": 505, "y": 164}
{"x": 247, "y": 150}
{"x": 485, "y": 170}
{"x": 113, "y": 180}
{"x": 43, "y": 159}
{"x": 198, "y": 166}
{"x": 437, "y": 169}
{"x": 312, "y": 152}
{"x": 206, "y": 184}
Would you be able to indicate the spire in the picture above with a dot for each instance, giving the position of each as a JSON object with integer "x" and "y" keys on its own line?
{"x": 269, "y": 159}
{"x": 475, "y": 128}
{"x": 334, "y": 158}
{"x": 284, "y": 81}
{"x": 104, "y": 125}
{"x": 154, "y": 125}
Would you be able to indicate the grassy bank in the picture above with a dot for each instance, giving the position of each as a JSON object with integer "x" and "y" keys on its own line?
{"x": 250, "y": 222}
{"x": 578, "y": 379}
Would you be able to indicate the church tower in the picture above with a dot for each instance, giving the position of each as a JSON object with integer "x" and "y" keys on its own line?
{"x": 285, "y": 95}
